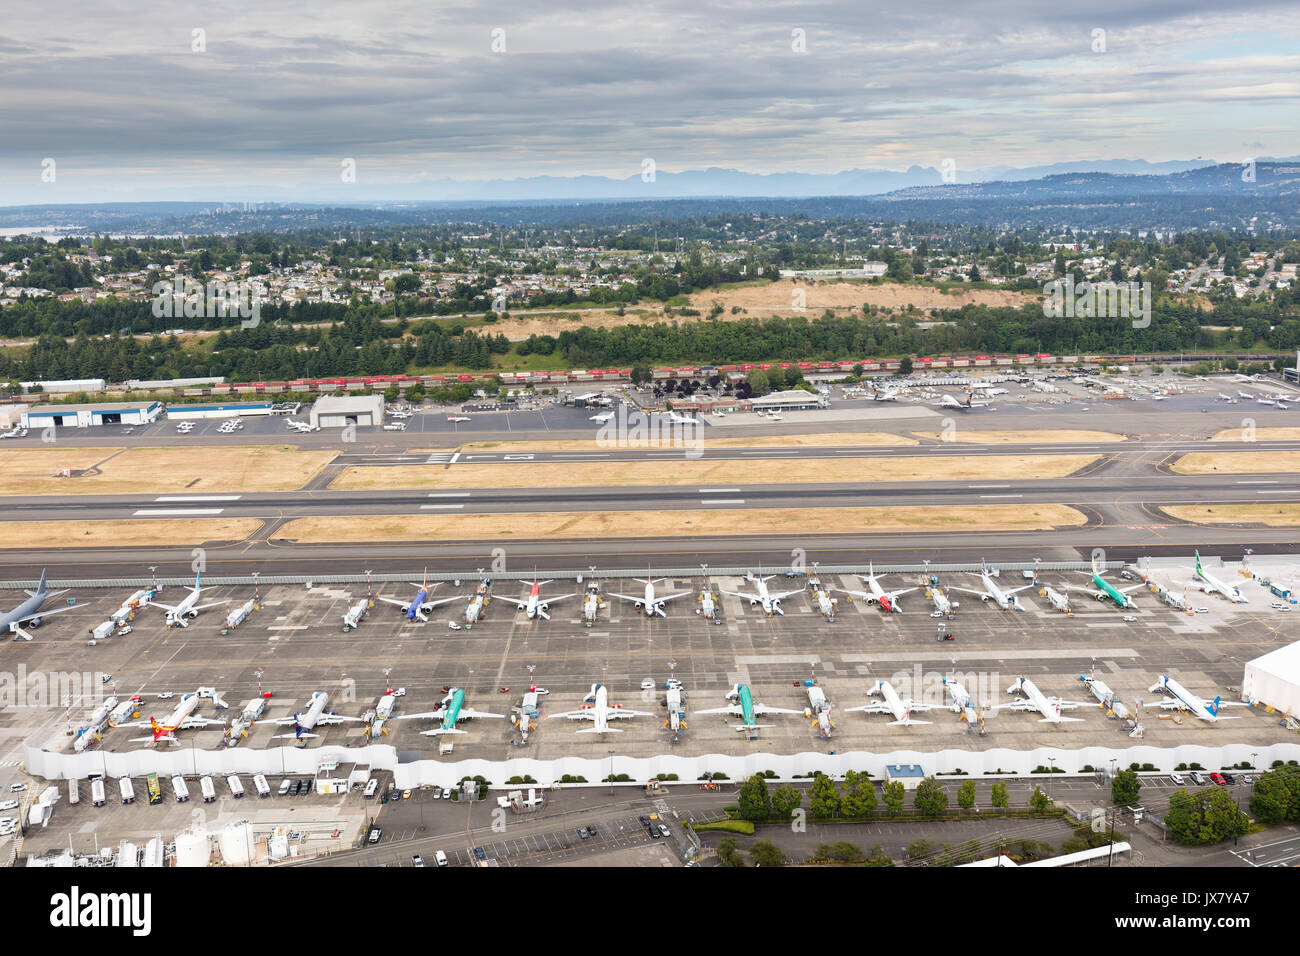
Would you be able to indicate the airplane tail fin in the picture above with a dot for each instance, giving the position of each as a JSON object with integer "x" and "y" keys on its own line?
{"x": 1214, "y": 706}
{"x": 40, "y": 588}
{"x": 1198, "y": 561}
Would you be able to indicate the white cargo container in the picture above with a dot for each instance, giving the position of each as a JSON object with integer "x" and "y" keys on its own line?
{"x": 209, "y": 791}
{"x": 236, "y": 788}
{"x": 179, "y": 788}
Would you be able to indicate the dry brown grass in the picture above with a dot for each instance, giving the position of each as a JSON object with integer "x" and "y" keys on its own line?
{"x": 1237, "y": 463}
{"x": 1046, "y": 437}
{"x": 191, "y": 469}
{"x": 1260, "y": 434}
{"x": 136, "y": 533}
{"x": 1274, "y": 515}
{"x": 682, "y": 471}
{"x": 770, "y": 297}
{"x": 769, "y": 441}
{"x": 705, "y": 522}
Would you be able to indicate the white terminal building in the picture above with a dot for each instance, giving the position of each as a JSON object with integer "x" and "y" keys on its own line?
{"x": 221, "y": 410}
{"x": 1274, "y": 679}
{"x": 340, "y": 411}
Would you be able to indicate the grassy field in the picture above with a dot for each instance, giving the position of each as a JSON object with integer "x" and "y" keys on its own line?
{"x": 632, "y": 524}
{"x": 1260, "y": 434}
{"x": 192, "y": 469}
{"x": 105, "y": 534}
{"x": 1237, "y": 463}
{"x": 683, "y": 471}
{"x": 1279, "y": 515}
{"x": 1047, "y": 436}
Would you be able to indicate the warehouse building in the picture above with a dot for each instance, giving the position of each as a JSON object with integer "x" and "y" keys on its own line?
{"x": 340, "y": 411}
{"x": 1274, "y": 679}
{"x": 791, "y": 400}
{"x": 221, "y": 410}
{"x": 84, "y": 416}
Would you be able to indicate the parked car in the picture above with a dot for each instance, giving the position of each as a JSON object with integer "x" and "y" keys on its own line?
{"x": 375, "y": 834}
{"x": 1198, "y": 778}
{"x": 647, "y": 684}
{"x": 582, "y": 833}
{"x": 440, "y": 858}
{"x": 1176, "y": 777}
{"x": 1217, "y": 778}
{"x": 417, "y": 860}
{"x": 478, "y": 853}
{"x": 1229, "y": 778}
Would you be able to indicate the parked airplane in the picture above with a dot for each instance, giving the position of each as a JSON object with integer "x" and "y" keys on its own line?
{"x": 826, "y": 604}
{"x": 596, "y": 708}
{"x": 888, "y": 395}
{"x": 181, "y": 718}
{"x": 1108, "y": 590}
{"x": 403, "y": 413}
{"x": 190, "y": 606}
{"x": 592, "y": 604}
{"x": 1226, "y": 398}
{"x": 30, "y": 610}
{"x": 450, "y": 712}
{"x": 820, "y": 708}
{"x": 1183, "y": 699}
{"x": 535, "y": 606}
{"x": 1059, "y": 601}
{"x": 745, "y": 708}
{"x": 651, "y": 604}
{"x": 771, "y": 603}
{"x": 251, "y": 714}
{"x": 891, "y": 703}
{"x": 301, "y": 426}
{"x": 458, "y": 418}
{"x": 962, "y": 702}
{"x": 675, "y": 419}
{"x": 602, "y": 417}
{"x": 419, "y": 607}
{"x": 1003, "y": 599}
{"x": 1034, "y": 699}
{"x": 356, "y": 614}
{"x": 947, "y": 401}
{"x": 888, "y": 600}
{"x": 1244, "y": 394}
{"x": 305, "y": 721}
{"x": 1212, "y": 585}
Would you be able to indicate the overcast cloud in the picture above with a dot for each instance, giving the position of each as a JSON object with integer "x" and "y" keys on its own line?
{"x": 414, "y": 93}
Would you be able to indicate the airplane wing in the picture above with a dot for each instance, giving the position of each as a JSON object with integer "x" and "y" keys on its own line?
{"x": 1092, "y": 591}
{"x": 467, "y": 714}
{"x": 670, "y": 597}
{"x": 430, "y": 605}
{"x": 1135, "y": 587}
{"x": 742, "y": 595}
{"x": 334, "y": 719}
{"x": 761, "y": 709}
{"x": 428, "y": 715}
{"x": 1012, "y": 591}
{"x": 161, "y": 605}
{"x": 393, "y": 601}
{"x": 562, "y": 597}
{"x": 968, "y": 590}
{"x": 782, "y": 595}
{"x": 192, "y": 721}
{"x": 204, "y": 607}
{"x": 587, "y": 714}
{"x": 734, "y": 710}
{"x": 57, "y": 610}
{"x": 894, "y": 594}
{"x": 864, "y": 595}
{"x": 879, "y": 707}
{"x": 626, "y": 597}
{"x": 611, "y": 712}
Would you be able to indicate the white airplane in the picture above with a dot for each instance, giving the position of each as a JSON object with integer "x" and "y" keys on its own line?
{"x": 1242, "y": 394}
{"x": 190, "y": 606}
{"x": 1033, "y": 699}
{"x": 301, "y": 426}
{"x": 947, "y": 401}
{"x": 745, "y": 708}
{"x": 418, "y": 609}
{"x": 1212, "y": 585}
{"x": 675, "y": 419}
{"x": 826, "y": 604}
{"x": 649, "y": 602}
{"x": 592, "y": 604}
{"x": 602, "y": 417}
{"x": 888, "y": 600}
{"x": 942, "y": 606}
{"x": 1183, "y": 699}
{"x": 1105, "y": 696}
{"x": 450, "y": 711}
{"x": 1059, "y": 601}
{"x": 708, "y": 601}
{"x": 535, "y": 606}
{"x": 181, "y": 718}
{"x": 962, "y": 702}
{"x": 1226, "y": 398}
{"x": 889, "y": 395}
{"x": 251, "y": 714}
{"x": 305, "y": 721}
{"x": 458, "y": 418}
{"x": 356, "y": 614}
{"x": 596, "y": 708}
{"x": 892, "y": 704}
{"x": 1003, "y": 599}
{"x": 821, "y": 709}
{"x": 771, "y": 603}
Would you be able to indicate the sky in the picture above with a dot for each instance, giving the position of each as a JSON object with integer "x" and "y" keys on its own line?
{"x": 244, "y": 101}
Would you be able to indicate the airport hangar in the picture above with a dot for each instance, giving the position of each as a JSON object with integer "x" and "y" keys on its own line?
{"x": 98, "y": 413}
{"x": 339, "y": 411}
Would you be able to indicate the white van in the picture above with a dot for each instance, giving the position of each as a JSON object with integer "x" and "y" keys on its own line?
{"x": 440, "y": 857}
{"x": 371, "y": 787}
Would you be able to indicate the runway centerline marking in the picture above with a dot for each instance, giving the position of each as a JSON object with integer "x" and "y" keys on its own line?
{"x": 437, "y": 507}
{"x": 182, "y": 512}
{"x": 198, "y": 498}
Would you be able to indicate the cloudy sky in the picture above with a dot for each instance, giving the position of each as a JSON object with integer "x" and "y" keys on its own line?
{"x": 128, "y": 103}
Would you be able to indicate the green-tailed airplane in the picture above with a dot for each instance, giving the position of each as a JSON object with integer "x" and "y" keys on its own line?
{"x": 1108, "y": 590}
{"x": 452, "y": 710}
{"x": 745, "y": 708}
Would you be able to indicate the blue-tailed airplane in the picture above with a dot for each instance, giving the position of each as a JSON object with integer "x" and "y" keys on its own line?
{"x": 305, "y": 721}
{"x": 1183, "y": 699}
{"x": 418, "y": 609}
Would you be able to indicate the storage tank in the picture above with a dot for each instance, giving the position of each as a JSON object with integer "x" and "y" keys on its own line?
{"x": 237, "y": 843}
{"x": 192, "y": 848}
{"x": 128, "y": 854}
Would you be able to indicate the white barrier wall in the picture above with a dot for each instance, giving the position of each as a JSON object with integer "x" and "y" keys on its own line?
{"x": 304, "y": 762}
